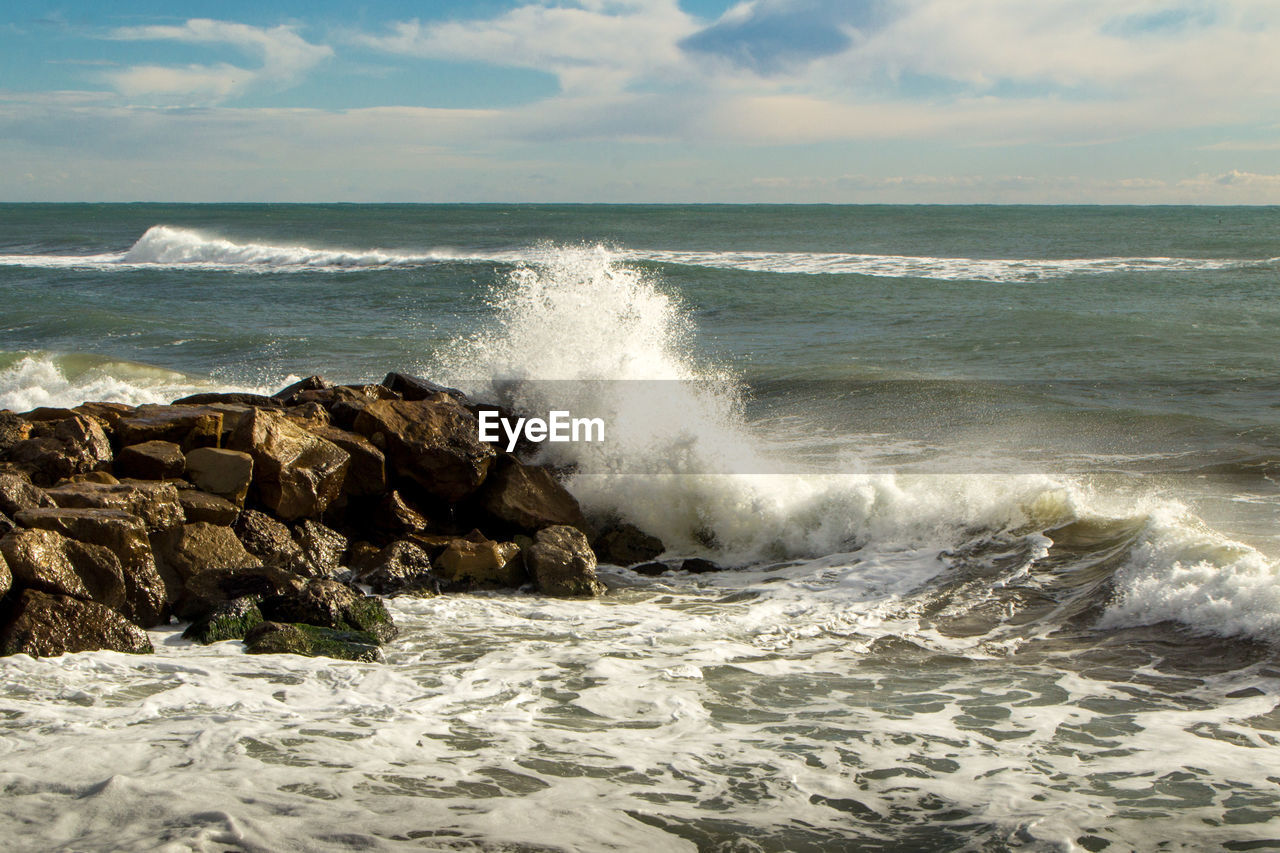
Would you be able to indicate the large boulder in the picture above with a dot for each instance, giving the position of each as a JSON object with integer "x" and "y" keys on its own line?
{"x": 368, "y": 472}
{"x": 202, "y": 506}
{"x": 187, "y": 426}
{"x": 483, "y": 563}
{"x": 17, "y": 493}
{"x": 322, "y": 548}
{"x": 279, "y": 638}
{"x": 52, "y": 563}
{"x": 151, "y": 460}
{"x": 528, "y": 498}
{"x": 331, "y": 604}
{"x": 296, "y": 474}
{"x": 269, "y": 540}
{"x": 221, "y": 472}
{"x": 124, "y": 535}
{"x": 433, "y": 442}
{"x": 562, "y": 563}
{"x": 202, "y": 592}
{"x": 401, "y": 568}
{"x": 416, "y": 388}
{"x": 624, "y": 544}
{"x": 44, "y": 625}
{"x": 235, "y": 398}
{"x": 63, "y": 448}
{"x": 156, "y": 504}
{"x": 199, "y": 547}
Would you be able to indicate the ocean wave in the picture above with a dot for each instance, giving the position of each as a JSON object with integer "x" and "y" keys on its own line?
{"x": 32, "y": 380}
{"x": 683, "y": 462}
{"x": 170, "y": 247}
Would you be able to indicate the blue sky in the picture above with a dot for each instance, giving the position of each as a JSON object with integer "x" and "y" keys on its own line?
{"x": 1109, "y": 101}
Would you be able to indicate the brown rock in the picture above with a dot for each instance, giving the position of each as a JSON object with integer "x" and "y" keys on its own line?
{"x": 225, "y": 473}
{"x": 106, "y": 414}
{"x": 235, "y": 398}
{"x": 562, "y": 563}
{"x": 269, "y": 540}
{"x": 403, "y": 567}
{"x": 52, "y": 563}
{"x": 17, "y": 493}
{"x": 145, "y": 593}
{"x": 62, "y": 448}
{"x": 199, "y": 547}
{"x": 204, "y": 590}
{"x": 41, "y": 414}
{"x": 6, "y": 577}
{"x": 48, "y": 625}
{"x": 482, "y": 563}
{"x": 13, "y": 430}
{"x": 311, "y": 383}
{"x": 187, "y": 426}
{"x": 151, "y": 460}
{"x": 415, "y": 388}
{"x": 368, "y": 472}
{"x": 202, "y": 506}
{"x": 296, "y": 474}
{"x": 624, "y": 544}
{"x": 155, "y": 503}
{"x": 322, "y": 548}
{"x": 433, "y": 442}
{"x": 528, "y": 497}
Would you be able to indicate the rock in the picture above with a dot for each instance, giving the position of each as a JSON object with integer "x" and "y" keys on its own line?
{"x": 528, "y": 497}
{"x": 6, "y": 524}
{"x": 482, "y": 563}
{"x": 651, "y": 569}
{"x": 200, "y": 547}
{"x": 296, "y": 474}
{"x": 308, "y": 415}
{"x": 102, "y": 478}
{"x": 368, "y": 472}
{"x": 624, "y": 544}
{"x": 155, "y": 503}
{"x": 146, "y": 595}
{"x": 13, "y": 430}
{"x": 225, "y": 473}
{"x": 63, "y": 448}
{"x": 401, "y": 568}
{"x": 322, "y": 548}
{"x": 202, "y": 506}
{"x": 46, "y": 625}
{"x": 52, "y": 563}
{"x": 268, "y": 539}
{"x": 394, "y": 517}
{"x": 17, "y": 494}
{"x": 698, "y": 566}
{"x": 234, "y": 398}
{"x": 187, "y": 426}
{"x": 311, "y": 383}
{"x": 204, "y": 591}
{"x": 562, "y": 563}
{"x": 151, "y": 460}
{"x": 226, "y": 620}
{"x": 414, "y": 388}
{"x": 40, "y": 414}
{"x": 432, "y": 442}
{"x": 275, "y": 638}
{"x": 331, "y": 604}
{"x": 106, "y": 414}
{"x": 6, "y": 577}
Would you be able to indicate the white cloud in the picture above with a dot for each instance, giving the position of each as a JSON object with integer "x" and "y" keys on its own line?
{"x": 284, "y": 55}
{"x": 591, "y": 46}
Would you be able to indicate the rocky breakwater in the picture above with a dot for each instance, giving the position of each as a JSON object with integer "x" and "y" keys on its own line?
{"x": 265, "y": 519}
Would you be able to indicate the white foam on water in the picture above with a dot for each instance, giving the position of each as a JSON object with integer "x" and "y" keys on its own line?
{"x": 171, "y": 247}
{"x": 49, "y": 379}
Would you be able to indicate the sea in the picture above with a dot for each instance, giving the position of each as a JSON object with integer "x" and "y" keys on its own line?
{"x": 995, "y": 489}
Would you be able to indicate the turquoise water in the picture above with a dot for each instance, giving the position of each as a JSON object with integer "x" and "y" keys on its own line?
{"x": 999, "y": 485}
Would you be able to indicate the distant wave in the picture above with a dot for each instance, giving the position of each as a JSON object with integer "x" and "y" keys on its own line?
{"x": 169, "y": 247}
{"x": 946, "y": 269}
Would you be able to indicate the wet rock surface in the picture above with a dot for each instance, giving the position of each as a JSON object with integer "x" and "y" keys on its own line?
{"x": 251, "y": 517}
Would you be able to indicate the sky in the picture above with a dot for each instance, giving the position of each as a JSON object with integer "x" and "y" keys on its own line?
{"x": 789, "y": 101}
